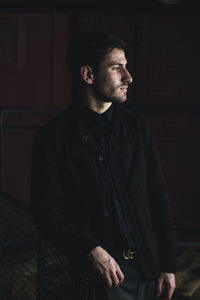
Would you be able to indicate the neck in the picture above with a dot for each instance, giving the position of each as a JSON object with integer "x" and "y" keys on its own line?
{"x": 96, "y": 105}
{"x": 99, "y": 108}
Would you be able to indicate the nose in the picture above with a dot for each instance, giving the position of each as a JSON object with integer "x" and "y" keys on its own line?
{"x": 127, "y": 78}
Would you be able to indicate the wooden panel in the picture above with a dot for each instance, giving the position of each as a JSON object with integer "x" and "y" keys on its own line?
{"x": 61, "y": 85}
{"x": 24, "y": 82}
{"x": 174, "y": 121}
{"x": 17, "y": 163}
{"x": 179, "y": 149}
{"x": 28, "y": 118}
{"x": 168, "y": 59}
{"x": 8, "y": 41}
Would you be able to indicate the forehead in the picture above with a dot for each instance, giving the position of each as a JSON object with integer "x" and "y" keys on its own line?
{"x": 116, "y": 56}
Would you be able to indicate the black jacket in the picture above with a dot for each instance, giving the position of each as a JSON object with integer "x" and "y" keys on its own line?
{"x": 67, "y": 176}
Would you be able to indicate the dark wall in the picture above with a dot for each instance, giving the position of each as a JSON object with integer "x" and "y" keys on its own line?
{"x": 164, "y": 58}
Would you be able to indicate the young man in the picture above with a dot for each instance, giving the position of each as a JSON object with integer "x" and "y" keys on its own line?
{"x": 98, "y": 191}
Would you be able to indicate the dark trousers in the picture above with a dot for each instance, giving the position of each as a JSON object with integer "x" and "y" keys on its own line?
{"x": 134, "y": 287}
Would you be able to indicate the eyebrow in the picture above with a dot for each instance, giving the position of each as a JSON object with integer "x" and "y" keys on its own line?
{"x": 116, "y": 63}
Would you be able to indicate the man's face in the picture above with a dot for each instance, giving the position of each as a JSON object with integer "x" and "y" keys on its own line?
{"x": 111, "y": 82}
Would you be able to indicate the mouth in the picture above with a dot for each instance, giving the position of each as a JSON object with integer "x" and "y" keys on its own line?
{"x": 124, "y": 88}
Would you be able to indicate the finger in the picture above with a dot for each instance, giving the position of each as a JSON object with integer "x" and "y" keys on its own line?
{"x": 114, "y": 277}
{"x": 108, "y": 279}
{"x": 170, "y": 288}
{"x": 170, "y": 293}
{"x": 160, "y": 286}
{"x": 120, "y": 275}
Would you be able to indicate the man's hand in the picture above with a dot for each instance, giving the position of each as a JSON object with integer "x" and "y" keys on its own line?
{"x": 107, "y": 266}
{"x": 167, "y": 279}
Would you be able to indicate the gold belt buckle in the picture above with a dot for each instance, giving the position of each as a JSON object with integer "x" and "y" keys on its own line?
{"x": 129, "y": 254}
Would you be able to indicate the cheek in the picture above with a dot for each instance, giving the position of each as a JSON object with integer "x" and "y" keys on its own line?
{"x": 111, "y": 81}
{"x": 108, "y": 83}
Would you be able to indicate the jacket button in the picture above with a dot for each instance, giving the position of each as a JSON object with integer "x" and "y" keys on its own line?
{"x": 106, "y": 214}
{"x": 101, "y": 158}
{"x": 84, "y": 138}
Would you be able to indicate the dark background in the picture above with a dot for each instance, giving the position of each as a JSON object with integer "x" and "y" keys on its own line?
{"x": 163, "y": 57}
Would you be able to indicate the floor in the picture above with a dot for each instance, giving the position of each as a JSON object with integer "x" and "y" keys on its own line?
{"x": 188, "y": 274}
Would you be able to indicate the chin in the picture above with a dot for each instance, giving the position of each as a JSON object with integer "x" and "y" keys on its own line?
{"x": 119, "y": 100}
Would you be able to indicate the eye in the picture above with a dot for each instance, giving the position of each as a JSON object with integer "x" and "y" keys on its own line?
{"x": 116, "y": 68}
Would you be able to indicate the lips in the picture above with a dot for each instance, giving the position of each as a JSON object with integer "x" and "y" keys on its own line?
{"x": 124, "y": 88}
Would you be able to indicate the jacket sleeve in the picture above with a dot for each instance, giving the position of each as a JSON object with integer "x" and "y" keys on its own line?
{"x": 161, "y": 212}
{"x": 48, "y": 200}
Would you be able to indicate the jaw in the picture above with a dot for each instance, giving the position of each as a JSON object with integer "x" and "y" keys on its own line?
{"x": 109, "y": 94}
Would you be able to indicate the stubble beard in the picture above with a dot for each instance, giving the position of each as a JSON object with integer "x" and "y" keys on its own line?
{"x": 108, "y": 97}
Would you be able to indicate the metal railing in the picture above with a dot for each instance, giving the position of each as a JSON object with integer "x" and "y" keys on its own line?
{"x": 18, "y": 251}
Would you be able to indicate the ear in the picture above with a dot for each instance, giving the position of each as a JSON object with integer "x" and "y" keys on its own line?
{"x": 87, "y": 74}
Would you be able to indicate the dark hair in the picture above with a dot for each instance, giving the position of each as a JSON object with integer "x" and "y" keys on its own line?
{"x": 90, "y": 48}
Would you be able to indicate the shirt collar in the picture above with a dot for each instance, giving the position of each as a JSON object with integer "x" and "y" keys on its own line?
{"x": 90, "y": 117}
